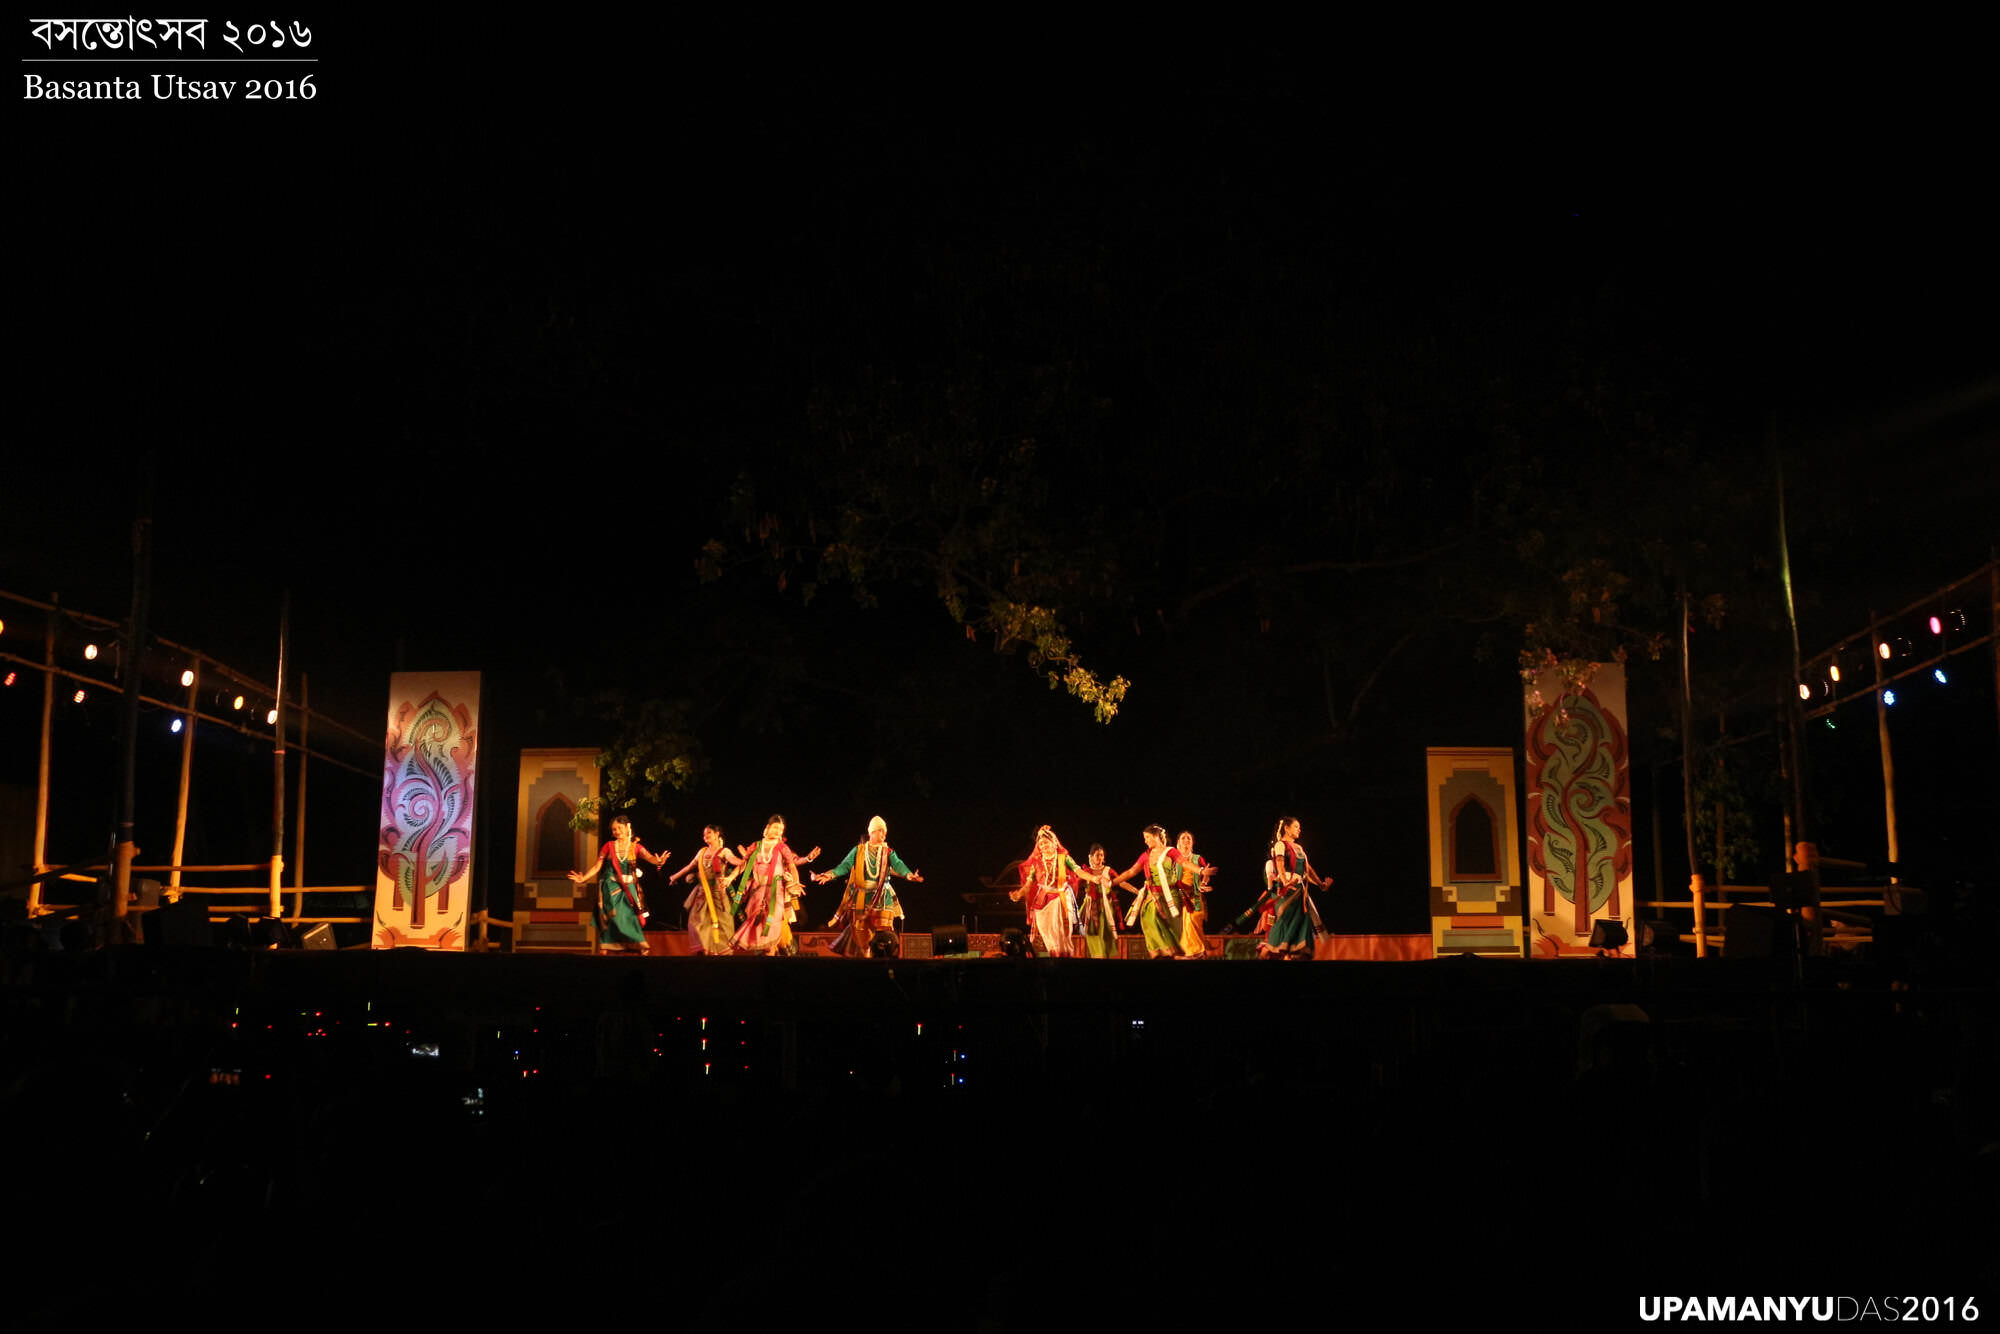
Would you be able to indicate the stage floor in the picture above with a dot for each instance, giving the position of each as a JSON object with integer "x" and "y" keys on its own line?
{"x": 918, "y": 945}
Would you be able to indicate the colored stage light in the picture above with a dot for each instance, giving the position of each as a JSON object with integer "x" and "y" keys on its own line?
{"x": 236, "y": 703}
{"x": 187, "y": 678}
{"x": 1938, "y": 672}
{"x": 174, "y": 726}
{"x": 3, "y": 627}
{"x": 1888, "y": 697}
{"x": 1805, "y": 691}
{"x": 1834, "y": 671}
{"x": 9, "y": 680}
{"x": 1883, "y": 649}
{"x": 90, "y": 652}
{"x": 77, "y": 698}
{"x": 271, "y": 717}
{"x": 1829, "y": 724}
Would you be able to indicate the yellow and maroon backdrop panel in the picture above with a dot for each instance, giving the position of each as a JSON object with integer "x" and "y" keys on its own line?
{"x": 423, "y": 855}
{"x": 1579, "y": 811}
{"x": 1476, "y": 905}
{"x": 550, "y": 913}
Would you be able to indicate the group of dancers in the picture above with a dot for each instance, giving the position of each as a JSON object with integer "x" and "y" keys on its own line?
{"x": 744, "y": 900}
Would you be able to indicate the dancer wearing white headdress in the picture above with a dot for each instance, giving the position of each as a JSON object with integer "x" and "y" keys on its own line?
{"x": 869, "y": 904}
{"x": 1048, "y": 890}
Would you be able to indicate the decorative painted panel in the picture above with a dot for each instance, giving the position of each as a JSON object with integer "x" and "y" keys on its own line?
{"x": 423, "y": 855}
{"x": 1476, "y": 900}
{"x": 1579, "y": 812}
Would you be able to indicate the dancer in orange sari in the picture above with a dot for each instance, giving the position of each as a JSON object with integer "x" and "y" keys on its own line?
{"x": 1194, "y": 875}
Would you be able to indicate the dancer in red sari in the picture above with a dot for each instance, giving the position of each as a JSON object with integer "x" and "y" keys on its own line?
{"x": 1048, "y": 891}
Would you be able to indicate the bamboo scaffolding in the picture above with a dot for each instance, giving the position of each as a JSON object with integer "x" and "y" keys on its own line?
{"x": 99, "y": 683}
{"x": 199, "y": 658}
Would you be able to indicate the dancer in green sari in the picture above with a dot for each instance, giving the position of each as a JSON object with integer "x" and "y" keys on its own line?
{"x": 1098, "y": 918}
{"x": 621, "y": 908}
{"x": 1158, "y": 910}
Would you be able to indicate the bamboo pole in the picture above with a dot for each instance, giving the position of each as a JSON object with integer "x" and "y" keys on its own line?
{"x": 134, "y": 674}
{"x": 278, "y": 762}
{"x": 187, "y": 775}
{"x": 1794, "y": 717}
{"x": 1888, "y": 755}
{"x": 299, "y": 832}
{"x": 1696, "y": 888}
{"x": 1687, "y": 737}
{"x": 42, "y": 765}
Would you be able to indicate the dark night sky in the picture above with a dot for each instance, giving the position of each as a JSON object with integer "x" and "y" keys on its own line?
{"x": 488, "y": 296}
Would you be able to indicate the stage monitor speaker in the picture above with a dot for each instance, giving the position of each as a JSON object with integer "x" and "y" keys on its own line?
{"x": 183, "y": 923}
{"x": 1904, "y": 901}
{"x": 1750, "y": 932}
{"x": 1659, "y": 939}
{"x": 318, "y": 936}
{"x": 948, "y": 940}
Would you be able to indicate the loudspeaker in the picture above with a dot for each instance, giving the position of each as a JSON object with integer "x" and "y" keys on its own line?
{"x": 1659, "y": 939}
{"x": 948, "y": 940}
{"x": 1754, "y": 933}
{"x": 183, "y": 923}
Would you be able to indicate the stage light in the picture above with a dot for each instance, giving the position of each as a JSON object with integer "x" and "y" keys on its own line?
{"x": 174, "y": 727}
{"x": 1834, "y": 671}
{"x": 77, "y": 698}
{"x": 1805, "y": 691}
{"x": 1937, "y": 626}
{"x": 10, "y": 678}
{"x": 187, "y": 678}
{"x": 1888, "y": 697}
{"x": 1829, "y": 724}
{"x": 90, "y": 652}
{"x": 1938, "y": 672}
{"x": 237, "y": 703}
{"x": 271, "y": 717}
{"x": 3, "y": 627}
{"x": 1954, "y": 619}
{"x": 1883, "y": 649}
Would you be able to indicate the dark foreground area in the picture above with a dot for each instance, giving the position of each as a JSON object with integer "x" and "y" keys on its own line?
{"x": 982, "y": 1144}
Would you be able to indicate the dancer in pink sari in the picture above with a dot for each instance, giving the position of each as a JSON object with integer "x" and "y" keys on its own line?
{"x": 769, "y": 889}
